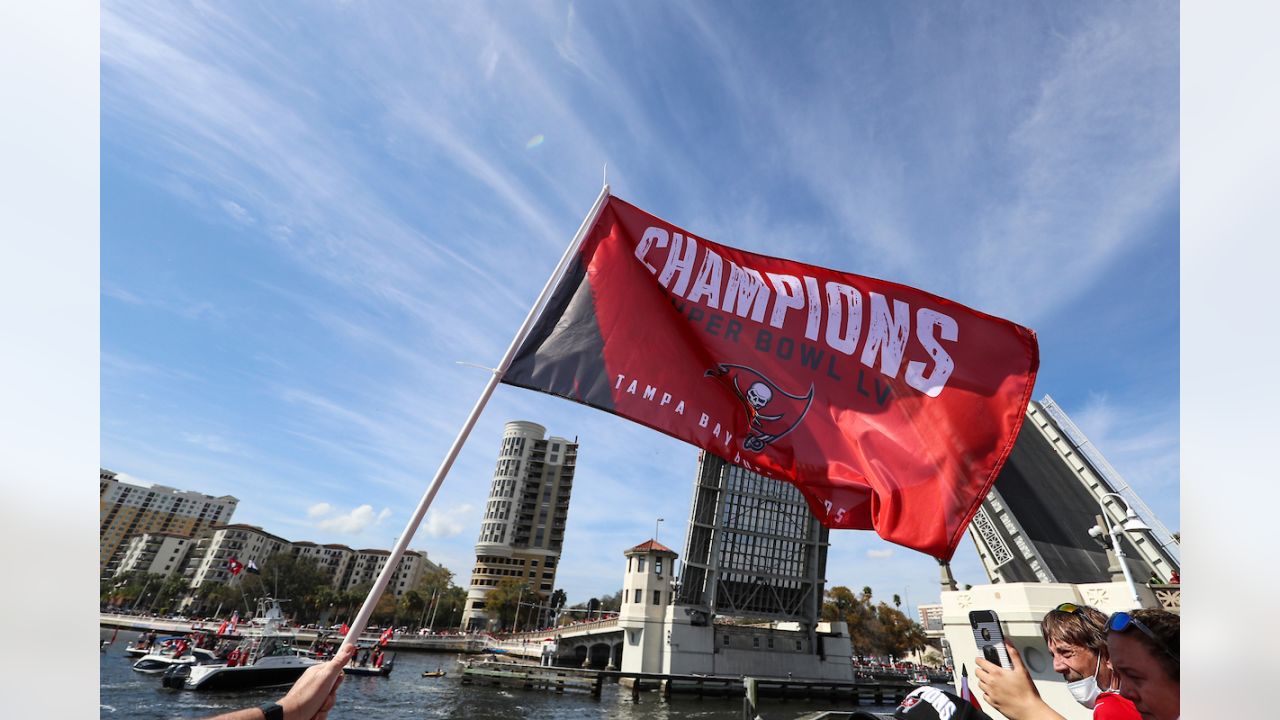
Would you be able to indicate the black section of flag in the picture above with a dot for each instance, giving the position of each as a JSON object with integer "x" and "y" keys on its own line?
{"x": 564, "y": 352}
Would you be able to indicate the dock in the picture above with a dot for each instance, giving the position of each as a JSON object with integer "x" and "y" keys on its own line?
{"x": 565, "y": 679}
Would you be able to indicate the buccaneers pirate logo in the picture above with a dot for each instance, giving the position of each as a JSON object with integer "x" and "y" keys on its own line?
{"x": 773, "y": 412}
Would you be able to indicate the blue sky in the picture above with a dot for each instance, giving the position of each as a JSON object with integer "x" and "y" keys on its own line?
{"x": 311, "y": 212}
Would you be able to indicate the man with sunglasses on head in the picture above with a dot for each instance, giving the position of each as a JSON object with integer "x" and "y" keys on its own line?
{"x": 1144, "y": 652}
{"x": 1076, "y": 636}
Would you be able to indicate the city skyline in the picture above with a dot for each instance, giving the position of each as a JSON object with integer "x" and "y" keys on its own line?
{"x": 310, "y": 217}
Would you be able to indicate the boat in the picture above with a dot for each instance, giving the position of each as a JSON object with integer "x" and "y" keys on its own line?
{"x": 137, "y": 649}
{"x": 273, "y": 660}
{"x": 919, "y": 678}
{"x": 156, "y": 663}
{"x": 369, "y": 670}
{"x": 434, "y": 673}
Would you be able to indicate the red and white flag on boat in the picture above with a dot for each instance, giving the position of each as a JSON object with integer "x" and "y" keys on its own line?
{"x": 386, "y": 636}
{"x": 235, "y": 620}
{"x": 889, "y": 408}
{"x": 222, "y": 629}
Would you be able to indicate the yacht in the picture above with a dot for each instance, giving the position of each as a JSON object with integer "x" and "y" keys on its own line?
{"x": 272, "y": 660}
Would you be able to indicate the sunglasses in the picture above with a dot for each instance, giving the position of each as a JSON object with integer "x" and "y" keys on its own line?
{"x": 1122, "y": 621}
{"x": 1067, "y": 607}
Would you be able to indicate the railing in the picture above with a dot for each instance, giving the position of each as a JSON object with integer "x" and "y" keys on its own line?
{"x": 605, "y": 624}
{"x": 1169, "y": 596}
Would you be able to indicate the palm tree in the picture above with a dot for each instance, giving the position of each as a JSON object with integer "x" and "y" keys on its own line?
{"x": 866, "y": 593}
{"x": 897, "y": 601}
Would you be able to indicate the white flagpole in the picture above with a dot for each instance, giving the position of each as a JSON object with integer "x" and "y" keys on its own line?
{"x": 393, "y": 562}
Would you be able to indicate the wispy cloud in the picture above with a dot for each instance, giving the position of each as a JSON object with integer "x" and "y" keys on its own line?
{"x": 330, "y": 225}
{"x": 237, "y": 212}
{"x": 209, "y": 441}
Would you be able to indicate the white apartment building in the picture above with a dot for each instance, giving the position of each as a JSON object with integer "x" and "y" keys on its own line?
{"x": 365, "y": 565}
{"x": 155, "y": 553}
{"x": 243, "y": 542}
{"x": 930, "y": 617}
{"x": 127, "y": 509}
{"x": 334, "y": 559}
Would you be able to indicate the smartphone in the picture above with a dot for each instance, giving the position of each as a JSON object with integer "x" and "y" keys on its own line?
{"x": 989, "y": 638}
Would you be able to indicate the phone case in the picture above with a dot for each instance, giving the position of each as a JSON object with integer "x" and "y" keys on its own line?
{"x": 990, "y": 641}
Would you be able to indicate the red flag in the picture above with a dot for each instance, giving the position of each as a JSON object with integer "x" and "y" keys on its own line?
{"x": 386, "y": 636}
{"x": 890, "y": 408}
{"x": 235, "y": 620}
{"x": 222, "y": 629}
{"x": 234, "y": 565}
{"x": 344, "y": 629}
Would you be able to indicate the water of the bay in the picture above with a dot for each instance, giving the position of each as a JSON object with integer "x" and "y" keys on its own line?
{"x": 406, "y": 694}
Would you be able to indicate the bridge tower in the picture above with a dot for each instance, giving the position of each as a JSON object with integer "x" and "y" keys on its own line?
{"x": 646, "y": 593}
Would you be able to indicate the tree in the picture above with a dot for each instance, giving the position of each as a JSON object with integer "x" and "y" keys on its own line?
{"x": 611, "y": 603}
{"x": 897, "y": 601}
{"x": 290, "y": 577}
{"x": 384, "y": 613}
{"x": 873, "y": 630}
{"x": 434, "y": 582}
{"x": 502, "y": 601}
{"x": 449, "y": 606}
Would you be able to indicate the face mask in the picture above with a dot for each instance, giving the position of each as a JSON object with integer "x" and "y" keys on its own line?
{"x": 1086, "y": 690}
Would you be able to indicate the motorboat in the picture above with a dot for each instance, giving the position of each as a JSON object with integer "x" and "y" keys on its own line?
{"x": 137, "y": 649}
{"x": 369, "y": 670}
{"x": 434, "y": 673}
{"x": 919, "y": 678}
{"x": 272, "y": 660}
{"x": 156, "y": 663}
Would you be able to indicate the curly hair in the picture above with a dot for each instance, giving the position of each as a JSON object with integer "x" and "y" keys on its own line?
{"x": 1165, "y": 626}
{"x": 1083, "y": 627}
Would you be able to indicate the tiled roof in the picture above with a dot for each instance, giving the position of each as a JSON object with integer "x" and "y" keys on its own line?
{"x": 651, "y": 546}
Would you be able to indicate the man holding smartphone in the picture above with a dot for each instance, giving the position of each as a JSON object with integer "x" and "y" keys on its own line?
{"x": 1076, "y": 636}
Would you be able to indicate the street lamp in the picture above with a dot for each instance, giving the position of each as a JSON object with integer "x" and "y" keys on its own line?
{"x": 655, "y": 529}
{"x": 1131, "y": 523}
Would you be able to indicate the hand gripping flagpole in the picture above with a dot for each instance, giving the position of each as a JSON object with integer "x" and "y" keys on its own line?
{"x": 393, "y": 562}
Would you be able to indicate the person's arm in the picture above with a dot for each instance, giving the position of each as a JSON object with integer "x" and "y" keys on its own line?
{"x": 1012, "y": 692}
{"x": 311, "y": 697}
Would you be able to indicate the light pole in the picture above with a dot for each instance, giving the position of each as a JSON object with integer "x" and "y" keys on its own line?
{"x": 1131, "y": 523}
{"x": 655, "y": 529}
{"x": 515, "y": 624}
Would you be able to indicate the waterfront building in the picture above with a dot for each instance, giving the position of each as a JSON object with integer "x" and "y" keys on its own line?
{"x": 365, "y": 565}
{"x": 127, "y": 509}
{"x": 1035, "y": 524}
{"x": 155, "y": 553}
{"x": 930, "y": 618}
{"x": 333, "y": 559}
{"x": 243, "y": 542}
{"x": 522, "y": 533}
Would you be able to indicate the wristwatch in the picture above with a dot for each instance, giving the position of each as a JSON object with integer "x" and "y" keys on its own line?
{"x": 272, "y": 711}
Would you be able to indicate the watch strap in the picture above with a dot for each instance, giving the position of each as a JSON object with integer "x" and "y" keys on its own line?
{"x": 272, "y": 711}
